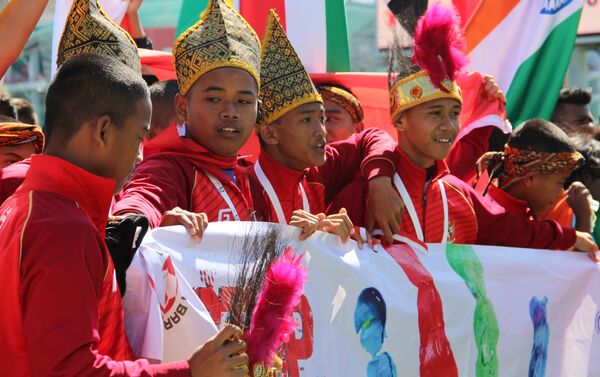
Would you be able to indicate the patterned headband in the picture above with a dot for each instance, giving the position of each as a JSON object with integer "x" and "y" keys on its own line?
{"x": 515, "y": 163}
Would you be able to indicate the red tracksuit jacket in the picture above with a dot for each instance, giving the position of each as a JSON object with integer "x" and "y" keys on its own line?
{"x": 60, "y": 310}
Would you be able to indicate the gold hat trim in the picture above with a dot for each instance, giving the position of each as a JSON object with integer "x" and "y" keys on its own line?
{"x": 307, "y": 98}
{"x": 232, "y": 62}
{"x": 401, "y": 98}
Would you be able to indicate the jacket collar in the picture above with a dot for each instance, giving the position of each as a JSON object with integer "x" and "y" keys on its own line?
{"x": 509, "y": 202}
{"x": 283, "y": 179}
{"x": 414, "y": 177}
{"x": 91, "y": 193}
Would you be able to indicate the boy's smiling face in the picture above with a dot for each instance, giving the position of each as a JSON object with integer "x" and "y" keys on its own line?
{"x": 427, "y": 131}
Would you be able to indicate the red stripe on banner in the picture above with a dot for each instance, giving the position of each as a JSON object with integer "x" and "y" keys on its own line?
{"x": 435, "y": 353}
{"x": 255, "y": 12}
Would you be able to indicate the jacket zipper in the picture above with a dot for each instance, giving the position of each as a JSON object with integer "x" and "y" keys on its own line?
{"x": 424, "y": 204}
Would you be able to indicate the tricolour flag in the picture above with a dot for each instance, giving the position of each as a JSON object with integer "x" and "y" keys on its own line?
{"x": 526, "y": 45}
{"x": 317, "y": 28}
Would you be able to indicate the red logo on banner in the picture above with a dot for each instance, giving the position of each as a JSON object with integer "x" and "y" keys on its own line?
{"x": 171, "y": 286}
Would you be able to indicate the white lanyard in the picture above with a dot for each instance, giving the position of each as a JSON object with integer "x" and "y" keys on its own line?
{"x": 224, "y": 194}
{"x": 266, "y": 184}
{"x": 412, "y": 212}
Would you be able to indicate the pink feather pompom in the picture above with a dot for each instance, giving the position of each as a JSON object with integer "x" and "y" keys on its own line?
{"x": 439, "y": 44}
{"x": 272, "y": 321}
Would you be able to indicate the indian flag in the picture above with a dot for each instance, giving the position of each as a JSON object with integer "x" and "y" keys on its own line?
{"x": 526, "y": 45}
{"x": 317, "y": 28}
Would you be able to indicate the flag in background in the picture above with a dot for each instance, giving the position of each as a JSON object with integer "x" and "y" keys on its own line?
{"x": 317, "y": 28}
{"x": 526, "y": 45}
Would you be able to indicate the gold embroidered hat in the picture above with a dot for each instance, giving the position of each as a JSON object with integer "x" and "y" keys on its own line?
{"x": 89, "y": 30}
{"x": 221, "y": 38}
{"x": 437, "y": 59}
{"x": 285, "y": 84}
{"x": 343, "y": 98}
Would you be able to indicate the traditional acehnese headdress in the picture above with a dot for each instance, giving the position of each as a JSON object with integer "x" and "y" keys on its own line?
{"x": 437, "y": 59}
{"x": 89, "y": 30}
{"x": 221, "y": 38}
{"x": 285, "y": 82}
{"x": 343, "y": 98}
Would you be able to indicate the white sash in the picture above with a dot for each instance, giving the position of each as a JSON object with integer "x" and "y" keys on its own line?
{"x": 219, "y": 186}
{"x": 266, "y": 184}
{"x": 412, "y": 212}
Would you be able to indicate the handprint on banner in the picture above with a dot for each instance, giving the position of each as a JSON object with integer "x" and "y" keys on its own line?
{"x": 369, "y": 321}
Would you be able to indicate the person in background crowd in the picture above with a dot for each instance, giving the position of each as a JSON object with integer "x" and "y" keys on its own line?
{"x": 528, "y": 177}
{"x": 572, "y": 112}
{"x": 343, "y": 112}
{"x": 18, "y": 141}
{"x": 24, "y": 110}
{"x": 7, "y": 108}
{"x": 163, "y": 95}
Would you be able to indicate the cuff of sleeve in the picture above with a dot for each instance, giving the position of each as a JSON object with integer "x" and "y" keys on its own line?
{"x": 172, "y": 369}
{"x": 569, "y": 237}
{"x": 377, "y": 167}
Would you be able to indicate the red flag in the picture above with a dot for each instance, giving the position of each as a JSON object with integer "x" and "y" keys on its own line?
{"x": 255, "y": 12}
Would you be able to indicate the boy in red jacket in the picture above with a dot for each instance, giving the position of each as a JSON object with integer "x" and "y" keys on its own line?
{"x": 61, "y": 311}
{"x": 425, "y": 104}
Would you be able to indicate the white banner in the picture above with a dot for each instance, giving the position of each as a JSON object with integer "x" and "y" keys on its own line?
{"x": 455, "y": 311}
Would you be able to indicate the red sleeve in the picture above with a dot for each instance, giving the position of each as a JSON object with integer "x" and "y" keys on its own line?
{"x": 62, "y": 272}
{"x": 371, "y": 151}
{"x": 353, "y": 198}
{"x": 496, "y": 226}
{"x": 159, "y": 185}
{"x": 464, "y": 155}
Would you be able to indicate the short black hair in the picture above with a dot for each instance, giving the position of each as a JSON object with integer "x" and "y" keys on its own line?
{"x": 576, "y": 96}
{"x": 25, "y": 111}
{"x": 540, "y": 135}
{"x": 6, "y": 107}
{"x": 590, "y": 149}
{"x": 162, "y": 94}
{"x": 88, "y": 86}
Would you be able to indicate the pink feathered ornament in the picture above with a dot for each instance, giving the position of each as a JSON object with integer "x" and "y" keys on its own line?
{"x": 272, "y": 320}
{"x": 439, "y": 44}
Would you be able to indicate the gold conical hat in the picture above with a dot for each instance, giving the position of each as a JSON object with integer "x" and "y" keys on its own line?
{"x": 222, "y": 38}
{"x": 285, "y": 84}
{"x": 89, "y": 30}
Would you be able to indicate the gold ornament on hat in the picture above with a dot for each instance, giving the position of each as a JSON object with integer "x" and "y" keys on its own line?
{"x": 221, "y": 38}
{"x": 417, "y": 89}
{"x": 89, "y": 30}
{"x": 285, "y": 84}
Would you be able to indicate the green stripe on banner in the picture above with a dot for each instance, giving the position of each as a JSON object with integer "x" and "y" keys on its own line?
{"x": 190, "y": 14}
{"x": 537, "y": 83}
{"x": 338, "y": 49}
